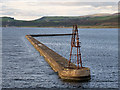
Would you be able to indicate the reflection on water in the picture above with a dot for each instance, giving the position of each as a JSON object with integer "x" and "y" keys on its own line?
{"x": 23, "y": 67}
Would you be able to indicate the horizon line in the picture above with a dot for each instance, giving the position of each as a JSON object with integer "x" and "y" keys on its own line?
{"x": 61, "y": 16}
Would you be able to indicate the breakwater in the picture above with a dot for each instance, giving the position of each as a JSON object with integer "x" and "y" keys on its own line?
{"x": 40, "y": 35}
{"x": 57, "y": 62}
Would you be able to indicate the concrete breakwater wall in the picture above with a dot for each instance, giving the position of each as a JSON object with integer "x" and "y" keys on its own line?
{"x": 40, "y": 35}
{"x": 58, "y": 63}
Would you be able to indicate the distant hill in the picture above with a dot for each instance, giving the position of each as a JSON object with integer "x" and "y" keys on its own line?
{"x": 96, "y": 15}
{"x": 99, "y": 20}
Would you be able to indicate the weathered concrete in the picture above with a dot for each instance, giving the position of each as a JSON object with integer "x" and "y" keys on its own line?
{"x": 59, "y": 63}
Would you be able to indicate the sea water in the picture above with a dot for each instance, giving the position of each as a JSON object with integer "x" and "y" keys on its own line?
{"x": 23, "y": 67}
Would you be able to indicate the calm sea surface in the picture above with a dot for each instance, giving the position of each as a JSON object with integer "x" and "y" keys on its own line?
{"x": 23, "y": 67}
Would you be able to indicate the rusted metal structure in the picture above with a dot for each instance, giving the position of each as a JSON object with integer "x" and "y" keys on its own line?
{"x": 75, "y": 43}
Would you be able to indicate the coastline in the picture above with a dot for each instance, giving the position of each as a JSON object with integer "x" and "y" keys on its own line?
{"x": 67, "y": 27}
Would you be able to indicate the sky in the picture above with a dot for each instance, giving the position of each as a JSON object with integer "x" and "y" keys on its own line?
{"x": 34, "y": 9}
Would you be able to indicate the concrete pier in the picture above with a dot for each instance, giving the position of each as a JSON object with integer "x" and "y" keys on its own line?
{"x": 58, "y": 63}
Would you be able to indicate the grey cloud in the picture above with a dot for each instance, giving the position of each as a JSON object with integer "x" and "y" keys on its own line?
{"x": 9, "y": 11}
{"x": 15, "y": 12}
{"x": 94, "y": 4}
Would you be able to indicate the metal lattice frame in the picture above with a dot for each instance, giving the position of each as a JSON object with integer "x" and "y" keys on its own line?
{"x": 75, "y": 44}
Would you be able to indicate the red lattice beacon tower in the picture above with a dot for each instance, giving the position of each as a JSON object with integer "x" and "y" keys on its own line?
{"x": 75, "y": 44}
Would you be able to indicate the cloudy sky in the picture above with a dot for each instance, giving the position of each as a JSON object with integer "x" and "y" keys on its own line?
{"x": 33, "y": 9}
